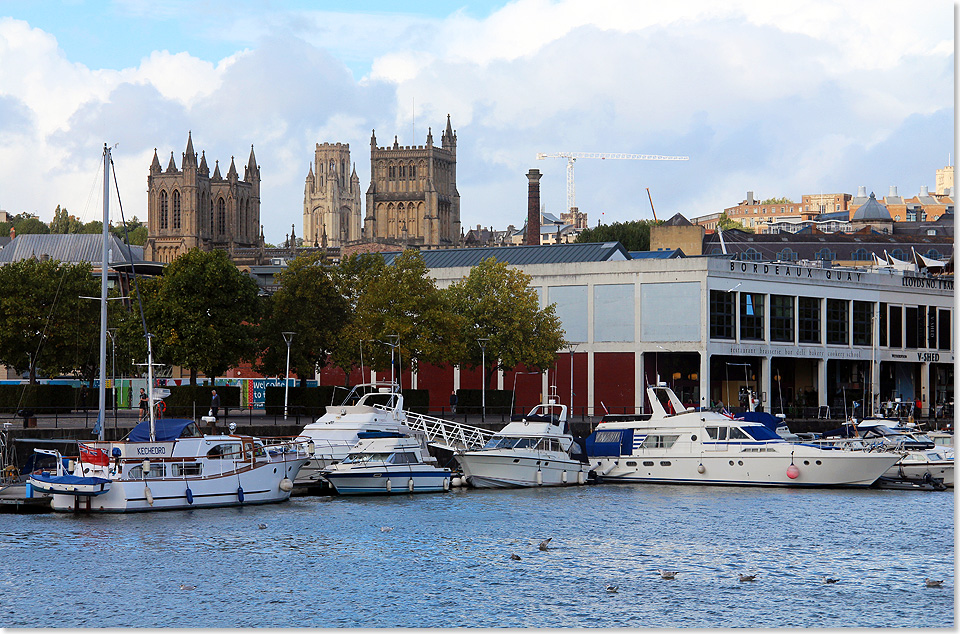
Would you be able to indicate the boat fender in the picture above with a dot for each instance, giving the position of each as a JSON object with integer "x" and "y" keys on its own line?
{"x": 610, "y": 465}
{"x": 579, "y": 477}
{"x": 446, "y": 484}
{"x": 456, "y": 482}
{"x": 286, "y": 485}
{"x": 145, "y": 465}
{"x": 71, "y": 465}
{"x": 793, "y": 472}
{"x": 563, "y": 476}
{"x": 539, "y": 477}
{"x": 389, "y": 485}
{"x": 240, "y": 493}
{"x": 147, "y": 493}
{"x": 311, "y": 448}
{"x": 189, "y": 495}
{"x": 410, "y": 485}
{"x": 701, "y": 468}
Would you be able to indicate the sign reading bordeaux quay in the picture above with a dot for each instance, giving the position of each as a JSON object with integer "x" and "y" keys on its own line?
{"x": 797, "y": 272}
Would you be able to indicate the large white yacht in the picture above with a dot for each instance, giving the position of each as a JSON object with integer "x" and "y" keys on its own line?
{"x": 704, "y": 447}
{"x": 368, "y": 407}
{"x": 536, "y": 449}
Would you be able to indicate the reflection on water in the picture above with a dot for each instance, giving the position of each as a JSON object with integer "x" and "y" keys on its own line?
{"x": 325, "y": 562}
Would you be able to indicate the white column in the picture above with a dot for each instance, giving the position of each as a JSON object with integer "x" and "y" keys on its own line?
{"x": 591, "y": 376}
{"x": 822, "y": 382}
{"x": 456, "y": 378}
{"x": 924, "y": 387}
{"x": 704, "y": 377}
{"x": 765, "y": 382}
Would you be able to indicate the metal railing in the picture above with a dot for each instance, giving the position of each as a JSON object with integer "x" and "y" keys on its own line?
{"x": 448, "y": 434}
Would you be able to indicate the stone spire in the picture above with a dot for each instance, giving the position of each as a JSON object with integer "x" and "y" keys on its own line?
{"x": 251, "y": 172}
{"x": 232, "y": 172}
{"x": 216, "y": 171}
{"x": 429, "y": 137}
{"x": 189, "y": 156}
{"x": 155, "y": 165}
{"x": 203, "y": 169}
{"x": 171, "y": 166}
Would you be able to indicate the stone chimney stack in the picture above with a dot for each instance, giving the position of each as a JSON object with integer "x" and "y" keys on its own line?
{"x": 533, "y": 207}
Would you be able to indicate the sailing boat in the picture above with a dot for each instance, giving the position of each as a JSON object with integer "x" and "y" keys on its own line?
{"x": 168, "y": 463}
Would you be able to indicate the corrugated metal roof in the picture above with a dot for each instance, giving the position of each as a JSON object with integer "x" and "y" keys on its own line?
{"x": 71, "y": 247}
{"x": 521, "y": 255}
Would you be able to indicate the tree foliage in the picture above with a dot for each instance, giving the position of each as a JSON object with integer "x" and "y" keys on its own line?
{"x": 777, "y": 201}
{"x": 633, "y": 235}
{"x": 496, "y": 302}
{"x": 207, "y": 314}
{"x": 307, "y": 303}
{"x": 725, "y": 222}
{"x": 44, "y": 322}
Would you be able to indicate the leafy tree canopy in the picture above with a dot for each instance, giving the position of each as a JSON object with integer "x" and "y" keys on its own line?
{"x": 724, "y": 222}
{"x": 633, "y": 235}
{"x": 777, "y": 201}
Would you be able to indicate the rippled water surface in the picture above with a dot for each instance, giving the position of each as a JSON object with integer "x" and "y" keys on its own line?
{"x": 325, "y": 562}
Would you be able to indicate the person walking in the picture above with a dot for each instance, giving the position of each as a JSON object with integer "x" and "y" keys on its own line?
{"x": 214, "y": 403}
{"x": 453, "y": 402}
{"x": 143, "y": 405}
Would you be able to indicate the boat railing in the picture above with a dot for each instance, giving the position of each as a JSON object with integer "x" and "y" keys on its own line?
{"x": 448, "y": 434}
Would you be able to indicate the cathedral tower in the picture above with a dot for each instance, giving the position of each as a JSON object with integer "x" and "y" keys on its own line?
{"x": 413, "y": 192}
{"x": 331, "y": 198}
{"x": 188, "y": 208}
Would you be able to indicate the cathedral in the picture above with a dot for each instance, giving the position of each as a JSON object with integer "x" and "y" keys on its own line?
{"x": 188, "y": 208}
{"x": 331, "y": 198}
{"x": 413, "y": 195}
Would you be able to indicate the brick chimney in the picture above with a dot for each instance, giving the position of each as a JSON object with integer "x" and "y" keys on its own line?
{"x": 533, "y": 207}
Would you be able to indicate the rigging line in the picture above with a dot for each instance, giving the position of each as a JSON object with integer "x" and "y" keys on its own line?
{"x": 126, "y": 243}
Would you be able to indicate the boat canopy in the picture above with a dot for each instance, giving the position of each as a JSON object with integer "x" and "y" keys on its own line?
{"x": 166, "y": 429}
{"x": 379, "y": 434}
{"x": 610, "y": 442}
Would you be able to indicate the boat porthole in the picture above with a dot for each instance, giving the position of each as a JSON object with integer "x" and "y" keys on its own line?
{"x": 693, "y": 437}
{"x": 538, "y": 462}
{"x": 545, "y": 464}
{"x": 274, "y": 469}
{"x": 731, "y": 463}
{"x": 819, "y": 463}
{"x": 631, "y": 463}
{"x": 806, "y": 462}
{"x": 516, "y": 459}
{"x": 740, "y": 462}
{"x": 664, "y": 463}
{"x": 647, "y": 463}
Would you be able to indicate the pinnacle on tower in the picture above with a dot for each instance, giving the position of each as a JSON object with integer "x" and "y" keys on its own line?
{"x": 171, "y": 166}
{"x": 203, "y": 169}
{"x": 189, "y": 156}
{"x": 232, "y": 172}
{"x": 216, "y": 171}
{"x": 155, "y": 165}
{"x": 429, "y": 137}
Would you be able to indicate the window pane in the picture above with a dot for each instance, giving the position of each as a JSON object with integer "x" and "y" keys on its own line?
{"x": 721, "y": 315}
{"x": 837, "y": 321}
{"x": 808, "y": 320}
{"x": 751, "y": 316}
{"x": 910, "y": 321}
{"x": 862, "y": 322}
{"x": 781, "y": 318}
{"x": 895, "y": 330}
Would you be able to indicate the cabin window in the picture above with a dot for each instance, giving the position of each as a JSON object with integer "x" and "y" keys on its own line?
{"x": 664, "y": 463}
{"x": 631, "y": 463}
{"x": 405, "y": 457}
{"x": 659, "y": 441}
{"x": 185, "y": 469}
{"x": 717, "y": 433}
{"x": 607, "y": 436}
{"x": 737, "y": 434}
{"x": 156, "y": 471}
{"x": 228, "y": 451}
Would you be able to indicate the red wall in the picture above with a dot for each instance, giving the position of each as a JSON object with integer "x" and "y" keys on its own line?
{"x": 561, "y": 378}
{"x": 528, "y": 387}
{"x": 437, "y": 379}
{"x": 613, "y": 378}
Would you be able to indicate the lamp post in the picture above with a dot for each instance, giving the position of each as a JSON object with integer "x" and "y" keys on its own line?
{"x": 483, "y": 377}
{"x": 288, "y": 337}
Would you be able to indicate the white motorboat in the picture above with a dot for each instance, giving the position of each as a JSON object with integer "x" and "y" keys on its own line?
{"x": 704, "y": 447}
{"x": 923, "y": 465}
{"x": 368, "y": 407}
{"x": 178, "y": 469}
{"x": 385, "y": 463}
{"x": 536, "y": 449}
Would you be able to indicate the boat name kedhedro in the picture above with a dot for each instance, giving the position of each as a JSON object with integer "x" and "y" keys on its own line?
{"x": 152, "y": 450}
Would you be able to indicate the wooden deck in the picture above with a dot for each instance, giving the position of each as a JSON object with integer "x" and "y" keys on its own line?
{"x": 13, "y": 499}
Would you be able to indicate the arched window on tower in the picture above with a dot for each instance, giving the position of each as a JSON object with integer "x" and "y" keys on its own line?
{"x": 221, "y": 217}
{"x": 211, "y": 217}
{"x": 163, "y": 209}
{"x": 176, "y": 209}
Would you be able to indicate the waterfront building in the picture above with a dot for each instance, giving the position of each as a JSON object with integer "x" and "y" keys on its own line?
{"x": 802, "y": 336}
{"x": 923, "y": 206}
{"x": 753, "y": 214}
{"x": 944, "y": 180}
{"x": 331, "y": 198}
{"x": 188, "y": 208}
{"x": 413, "y": 195}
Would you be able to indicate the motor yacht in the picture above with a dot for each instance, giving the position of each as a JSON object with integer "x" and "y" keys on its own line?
{"x": 386, "y": 463}
{"x": 368, "y": 407}
{"x": 535, "y": 449}
{"x": 692, "y": 446}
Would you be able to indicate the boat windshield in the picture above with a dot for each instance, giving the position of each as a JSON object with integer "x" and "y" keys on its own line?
{"x": 508, "y": 442}
{"x": 363, "y": 458}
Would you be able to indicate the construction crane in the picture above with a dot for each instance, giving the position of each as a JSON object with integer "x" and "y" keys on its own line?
{"x": 573, "y": 156}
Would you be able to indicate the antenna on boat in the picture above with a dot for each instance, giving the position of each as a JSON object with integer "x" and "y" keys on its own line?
{"x": 104, "y": 265}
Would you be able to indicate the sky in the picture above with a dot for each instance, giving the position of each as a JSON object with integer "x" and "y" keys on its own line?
{"x": 777, "y": 98}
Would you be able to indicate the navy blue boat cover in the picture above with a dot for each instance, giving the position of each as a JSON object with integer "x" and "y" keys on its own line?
{"x": 69, "y": 479}
{"x": 768, "y": 419}
{"x": 166, "y": 429}
{"x": 610, "y": 443}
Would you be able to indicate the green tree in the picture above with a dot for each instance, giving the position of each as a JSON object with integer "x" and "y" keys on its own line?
{"x": 633, "y": 235}
{"x": 725, "y": 222}
{"x": 61, "y": 221}
{"x": 306, "y": 303}
{"x": 777, "y": 201}
{"x": 208, "y": 310}
{"x": 25, "y": 223}
{"x": 401, "y": 305}
{"x": 136, "y": 230}
{"x": 44, "y": 322}
{"x": 496, "y": 302}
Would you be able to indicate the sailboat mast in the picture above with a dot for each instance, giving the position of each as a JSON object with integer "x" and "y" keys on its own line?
{"x": 153, "y": 420}
{"x": 101, "y": 413}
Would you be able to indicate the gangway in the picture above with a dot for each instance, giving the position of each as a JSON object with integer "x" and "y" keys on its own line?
{"x": 446, "y": 434}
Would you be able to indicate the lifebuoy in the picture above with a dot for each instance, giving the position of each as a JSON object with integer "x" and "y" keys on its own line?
{"x": 161, "y": 408}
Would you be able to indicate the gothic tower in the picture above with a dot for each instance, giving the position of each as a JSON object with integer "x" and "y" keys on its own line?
{"x": 188, "y": 208}
{"x": 331, "y": 198}
{"x": 413, "y": 192}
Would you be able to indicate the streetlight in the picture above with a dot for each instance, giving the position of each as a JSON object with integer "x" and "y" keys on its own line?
{"x": 483, "y": 377}
{"x": 393, "y": 346}
{"x": 288, "y": 337}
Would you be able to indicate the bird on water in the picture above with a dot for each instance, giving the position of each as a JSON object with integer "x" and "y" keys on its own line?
{"x": 545, "y": 544}
{"x": 830, "y": 580}
{"x": 747, "y": 577}
{"x": 668, "y": 574}
{"x": 515, "y": 557}
{"x": 933, "y": 583}
{"x": 612, "y": 589}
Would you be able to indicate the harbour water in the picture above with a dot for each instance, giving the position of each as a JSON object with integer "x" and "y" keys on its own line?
{"x": 328, "y": 562}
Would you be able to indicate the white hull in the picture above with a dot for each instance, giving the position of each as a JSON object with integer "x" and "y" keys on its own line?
{"x": 510, "y": 469}
{"x": 814, "y": 468}
{"x": 366, "y": 481}
{"x": 938, "y": 470}
{"x": 261, "y": 485}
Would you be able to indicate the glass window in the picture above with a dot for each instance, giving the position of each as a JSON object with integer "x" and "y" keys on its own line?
{"x": 825, "y": 254}
{"x": 910, "y": 316}
{"x": 861, "y": 255}
{"x": 943, "y": 329}
{"x": 737, "y": 434}
{"x": 230, "y": 451}
{"x": 136, "y": 473}
{"x": 862, "y": 331}
{"x": 185, "y": 469}
{"x": 781, "y": 318}
{"x": 658, "y": 441}
{"x": 751, "y": 316}
{"x": 837, "y": 315}
{"x": 788, "y": 255}
{"x": 721, "y": 315}
{"x": 808, "y": 319}
{"x": 607, "y": 436}
{"x": 717, "y": 433}
{"x": 896, "y": 326}
{"x": 613, "y": 312}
